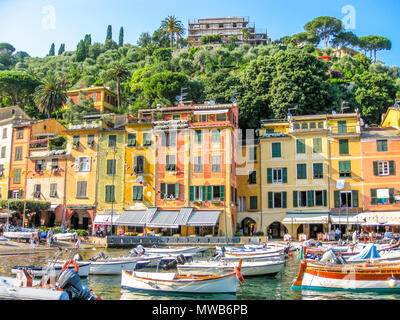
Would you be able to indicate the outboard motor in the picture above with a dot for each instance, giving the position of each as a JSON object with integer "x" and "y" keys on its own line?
{"x": 71, "y": 283}
{"x": 217, "y": 257}
{"x": 140, "y": 249}
{"x": 170, "y": 265}
{"x": 77, "y": 257}
{"x": 99, "y": 256}
{"x": 181, "y": 259}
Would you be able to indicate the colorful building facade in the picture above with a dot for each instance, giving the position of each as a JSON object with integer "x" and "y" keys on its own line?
{"x": 103, "y": 98}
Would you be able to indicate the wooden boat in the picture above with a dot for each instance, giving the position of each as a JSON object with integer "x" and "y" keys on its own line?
{"x": 179, "y": 283}
{"x": 379, "y": 276}
{"x": 255, "y": 257}
{"x": 56, "y": 269}
{"x": 249, "y": 268}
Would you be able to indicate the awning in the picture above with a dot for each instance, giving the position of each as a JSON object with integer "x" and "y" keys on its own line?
{"x": 342, "y": 218}
{"x": 211, "y": 111}
{"x": 203, "y": 218}
{"x": 381, "y": 216}
{"x": 132, "y": 218}
{"x": 306, "y": 218}
{"x": 105, "y": 219}
{"x": 53, "y": 207}
{"x": 164, "y": 219}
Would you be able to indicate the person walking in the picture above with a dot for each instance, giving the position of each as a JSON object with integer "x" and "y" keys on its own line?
{"x": 50, "y": 237}
{"x": 32, "y": 241}
{"x": 337, "y": 233}
{"x": 355, "y": 237}
{"x": 78, "y": 242}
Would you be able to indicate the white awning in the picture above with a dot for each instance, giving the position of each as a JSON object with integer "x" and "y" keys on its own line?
{"x": 105, "y": 219}
{"x": 344, "y": 219}
{"x": 306, "y": 218}
{"x": 381, "y": 216}
{"x": 53, "y": 207}
{"x": 211, "y": 111}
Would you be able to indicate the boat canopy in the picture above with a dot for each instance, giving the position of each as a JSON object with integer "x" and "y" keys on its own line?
{"x": 369, "y": 252}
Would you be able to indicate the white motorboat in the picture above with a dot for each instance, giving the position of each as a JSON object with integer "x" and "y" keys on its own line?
{"x": 178, "y": 283}
{"x": 18, "y": 235}
{"x": 172, "y": 250}
{"x": 255, "y": 257}
{"x": 70, "y": 236}
{"x": 249, "y": 268}
{"x": 56, "y": 269}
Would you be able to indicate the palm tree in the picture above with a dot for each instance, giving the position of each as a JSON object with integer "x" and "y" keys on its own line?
{"x": 179, "y": 31}
{"x": 170, "y": 24}
{"x": 119, "y": 71}
{"x": 51, "y": 95}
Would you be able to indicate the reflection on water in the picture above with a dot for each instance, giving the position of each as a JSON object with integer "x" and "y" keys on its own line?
{"x": 254, "y": 288}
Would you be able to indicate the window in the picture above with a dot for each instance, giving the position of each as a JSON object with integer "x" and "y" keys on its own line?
{"x": 1, "y": 170}
{"x": 301, "y": 171}
{"x": 17, "y": 194}
{"x": 176, "y": 117}
{"x": 317, "y": 145}
{"x": 277, "y": 199}
{"x": 108, "y": 99}
{"x": 296, "y": 126}
{"x": 20, "y": 133}
{"x": 37, "y": 190}
{"x": 137, "y": 193}
{"x": 319, "y": 198}
{"x": 310, "y": 198}
{"x": 146, "y": 139}
{"x": 382, "y": 196}
{"x": 302, "y": 198}
{"x": 4, "y": 133}
{"x": 344, "y": 169}
{"x": 277, "y": 175}
{"x": 384, "y": 168}
{"x": 300, "y": 146}
{"x": 81, "y": 187}
{"x": 216, "y": 192}
{"x": 253, "y": 203}
{"x": 198, "y": 164}
{"x": 253, "y": 177}
{"x": 94, "y": 97}
{"x": 170, "y": 163}
{"x": 221, "y": 117}
{"x": 138, "y": 165}
{"x": 318, "y": 171}
{"x": 131, "y": 139}
{"x": 253, "y": 154}
{"x": 216, "y": 163}
{"x": 242, "y": 204}
{"x": 343, "y": 199}
{"x": 110, "y": 197}
{"x": 198, "y": 193}
{"x": 168, "y": 139}
{"x": 82, "y": 164}
{"x": 203, "y": 118}
{"x": 53, "y": 190}
{"x": 342, "y": 127}
{"x": 198, "y": 136}
{"x": 276, "y": 150}
{"x": 17, "y": 176}
{"x": 320, "y": 125}
{"x": 170, "y": 190}
{"x": 304, "y": 125}
{"x": 381, "y": 145}
{"x": 215, "y": 136}
{"x": 39, "y": 166}
{"x": 54, "y": 164}
{"x": 111, "y": 166}
{"x": 343, "y": 146}
{"x": 112, "y": 140}
{"x": 90, "y": 140}
{"x": 221, "y": 25}
{"x": 75, "y": 142}
{"x": 3, "y": 152}
{"x": 18, "y": 153}
{"x": 312, "y": 125}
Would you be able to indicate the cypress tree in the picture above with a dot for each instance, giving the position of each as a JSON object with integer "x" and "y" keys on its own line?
{"x": 81, "y": 51}
{"x": 88, "y": 40}
{"x": 121, "y": 37}
{"x": 62, "y": 48}
{"x": 109, "y": 33}
{"x": 52, "y": 51}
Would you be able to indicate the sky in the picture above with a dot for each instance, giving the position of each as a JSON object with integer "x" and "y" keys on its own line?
{"x": 33, "y": 25}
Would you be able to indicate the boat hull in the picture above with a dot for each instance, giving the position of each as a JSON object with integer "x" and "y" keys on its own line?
{"x": 258, "y": 257}
{"x": 83, "y": 271}
{"x": 174, "y": 251}
{"x": 111, "y": 267}
{"x": 144, "y": 281}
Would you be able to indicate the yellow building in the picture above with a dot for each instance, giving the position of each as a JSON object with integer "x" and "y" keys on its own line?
{"x": 392, "y": 117}
{"x": 103, "y": 98}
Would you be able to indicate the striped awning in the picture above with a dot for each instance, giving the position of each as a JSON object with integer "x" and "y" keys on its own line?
{"x": 165, "y": 219}
{"x": 132, "y": 218}
{"x": 203, "y": 218}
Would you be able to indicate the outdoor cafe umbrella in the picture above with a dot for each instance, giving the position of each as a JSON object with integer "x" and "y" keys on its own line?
{"x": 392, "y": 223}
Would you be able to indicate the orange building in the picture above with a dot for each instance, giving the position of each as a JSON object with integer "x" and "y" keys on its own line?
{"x": 381, "y": 174}
{"x": 104, "y": 99}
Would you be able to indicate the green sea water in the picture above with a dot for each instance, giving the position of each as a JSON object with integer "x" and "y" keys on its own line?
{"x": 255, "y": 288}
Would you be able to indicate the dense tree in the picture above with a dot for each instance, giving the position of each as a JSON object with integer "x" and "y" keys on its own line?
{"x": 109, "y": 33}
{"x": 324, "y": 28}
{"x": 17, "y": 88}
{"x": 121, "y": 37}
{"x": 81, "y": 51}
{"x": 345, "y": 39}
{"x": 52, "y": 51}
{"x": 51, "y": 95}
{"x": 375, "y": 43}
{"x": 61, "y": 50}
{"x": 144, "y": 39}
{"x": 118, "y": 71}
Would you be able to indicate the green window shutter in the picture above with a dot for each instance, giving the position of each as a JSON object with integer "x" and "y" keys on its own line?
{"x": 374, "y": 199}
{"x": 163, "y": 139}
{"x": 75, "y": 141}
{"x": 111, "y": 166}
{"x": 355, "y": 198}
{"x": 318, "y": 170}
{"x": 176, "y": 190}
{"x": 162, "y": 190}
{"x": 336, "y": 195}
{"x": 191, "y": 193}
{"x": 146, "y": 139}
{"x": 269, "y": 175}
{"x": 90, "y": 139}
{"x": 135, "y": 192}
{"x": 140, "y": 193}
{"x": 376, "y": 172}
{"x": 324, "y": 198}
{"x": 284, "y": 199}
{"x": 342, "y": 127}
{"x": 295, "y": 199}
{"x": 131, "y": 139}
{"x": 53, "y": 189}
{"x": 222, "y": 193}
{"x": 300, "y": 146}
{"x": 310, "y": 198}
{"x": 301, "y": 171}
{"x": 276, "y": 150}
{"x": 112, "y": 140}
{"x": 204, "y": 189}
{"x": 392, "y": 169}
{"x": 381, "y": 145}
{"x": 317, "y": 145}
{"x": 391, "y": 195}
{"x": 284, "y": 175}
{"x": 253, "y": 202}
{"x": 209, "y": 193}
{"x": 17, "y": 175}
{"x": 199, "y": 136}
{"x": 343, "y": 146}
{"x": 216, "y": 135}
{"x": 270, "y": 200}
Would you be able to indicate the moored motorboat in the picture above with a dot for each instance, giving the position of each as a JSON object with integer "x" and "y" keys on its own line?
{"x": 83, "y": 270}
{"x": 172, "y": 250}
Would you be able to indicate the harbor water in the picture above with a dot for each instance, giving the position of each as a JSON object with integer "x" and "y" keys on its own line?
{"x": 254, "y": 288}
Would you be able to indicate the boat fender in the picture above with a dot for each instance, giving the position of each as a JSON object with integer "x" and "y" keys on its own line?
{"x": 392, "y": 282}
{"x": 238, "y": 274}
{"x": 66, "y": 264}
